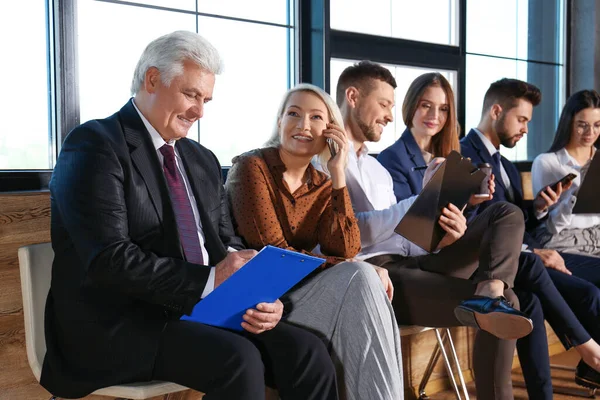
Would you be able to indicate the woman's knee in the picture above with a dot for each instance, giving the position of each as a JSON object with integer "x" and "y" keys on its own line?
{"x": 362, "y": 274}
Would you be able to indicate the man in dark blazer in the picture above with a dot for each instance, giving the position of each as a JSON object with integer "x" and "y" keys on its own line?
{"x": 507, "y": 109}
{"x": 127, "y": 191}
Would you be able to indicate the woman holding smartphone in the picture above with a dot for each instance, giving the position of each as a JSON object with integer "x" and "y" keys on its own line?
{"x": 278, "y": 198}
{"x": 571, "y": 152}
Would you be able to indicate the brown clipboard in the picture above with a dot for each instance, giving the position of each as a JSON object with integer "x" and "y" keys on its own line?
{"x": 587, "y": 196}
{"x": 455, "y": 180}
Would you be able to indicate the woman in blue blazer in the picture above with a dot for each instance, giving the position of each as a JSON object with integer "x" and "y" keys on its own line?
{"x": 432, "y": 130}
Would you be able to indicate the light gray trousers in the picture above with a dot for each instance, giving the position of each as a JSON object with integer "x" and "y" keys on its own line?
{"x": 584, "y": 241}
{"x": 347, "y": 306}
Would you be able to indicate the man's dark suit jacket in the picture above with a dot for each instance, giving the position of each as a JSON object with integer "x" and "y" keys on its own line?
{"x": 399, "y": 159}
{"x": 471, "y": 146}
{"x": 119, "y": 273}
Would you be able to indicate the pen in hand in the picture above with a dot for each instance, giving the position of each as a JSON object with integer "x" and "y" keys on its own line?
{"x": 419, "y": 168}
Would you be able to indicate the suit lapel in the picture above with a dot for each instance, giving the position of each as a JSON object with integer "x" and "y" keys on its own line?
{"x": 414, "y": 151}
{"x": 486, "y": 157}
{"x": 145, "y": 160}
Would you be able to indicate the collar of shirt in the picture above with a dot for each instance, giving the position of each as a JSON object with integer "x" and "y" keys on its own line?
{"x": 486, "y": 142}
{"x": 157, "y": 140}
{"x": 277, "y": 167}
{"x": 364, "y": 150}
{"x": 565, "y": 158}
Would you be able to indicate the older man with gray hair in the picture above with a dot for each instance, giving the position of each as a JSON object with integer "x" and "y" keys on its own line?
{"x": 141, "y": 232}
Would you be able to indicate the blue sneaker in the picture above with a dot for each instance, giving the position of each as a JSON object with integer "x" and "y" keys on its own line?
{"x": 494, "y": 315}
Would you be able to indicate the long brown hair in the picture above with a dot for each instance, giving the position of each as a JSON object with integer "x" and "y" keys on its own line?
{"x": 446, "y": 139}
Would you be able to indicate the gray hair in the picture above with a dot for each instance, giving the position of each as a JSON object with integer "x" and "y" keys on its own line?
{"x": 167, "y": 54}
{"x": 335, "y": 116}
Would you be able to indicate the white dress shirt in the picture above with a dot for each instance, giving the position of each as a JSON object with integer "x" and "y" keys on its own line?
{"x": 372, "y": 193}
{"x": 547, "y": 169}
{"x": 158, "y": 143}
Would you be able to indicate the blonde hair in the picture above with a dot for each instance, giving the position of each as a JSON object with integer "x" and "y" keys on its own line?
{"x": 335, "y": 116}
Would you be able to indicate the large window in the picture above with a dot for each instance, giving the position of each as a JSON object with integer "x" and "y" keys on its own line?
{"x": 25, "y": 103}
{"x": 69, "y": 61}
{"x": 254, "y": 38}
{"x": 523, "y": 39}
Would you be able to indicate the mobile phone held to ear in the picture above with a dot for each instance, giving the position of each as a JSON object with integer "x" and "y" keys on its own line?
{"x": 565, "y": 180}
{"x": 333, "y": 147}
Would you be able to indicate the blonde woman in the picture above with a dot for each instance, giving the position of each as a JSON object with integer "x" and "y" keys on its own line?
{"x": 278, "y": 198}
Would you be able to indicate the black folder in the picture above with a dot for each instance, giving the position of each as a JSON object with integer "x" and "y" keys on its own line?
{"x": 455, "y": 180}
{"x": 587, "y": 196}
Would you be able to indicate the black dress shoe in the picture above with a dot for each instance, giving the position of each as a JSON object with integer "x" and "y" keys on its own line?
{"x": 494, "y": 315}
{"x": 587, "y": 376}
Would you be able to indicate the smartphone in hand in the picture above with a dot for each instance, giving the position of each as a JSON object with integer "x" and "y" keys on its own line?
{"x": 565, "y": 180}
{"x": 333, "y": 147}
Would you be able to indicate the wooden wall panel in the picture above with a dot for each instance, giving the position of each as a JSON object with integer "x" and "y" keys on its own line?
{"x": 24, "y": 219}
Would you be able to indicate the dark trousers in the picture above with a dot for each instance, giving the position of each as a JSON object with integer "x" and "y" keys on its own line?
{"x": 428, "y": 288}
{"x": 571, "y": 305}
{"x": 227, "y": 365}
{"x": 584, "y": 267}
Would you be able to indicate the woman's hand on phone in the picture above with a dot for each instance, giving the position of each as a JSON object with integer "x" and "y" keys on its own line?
{"x": 337, "y": 164}
{"x": 548, "y": 197}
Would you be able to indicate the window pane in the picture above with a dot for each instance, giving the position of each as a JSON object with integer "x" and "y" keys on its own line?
{"x": 189, "y": 5}
{"x": 404, "y": 76}
{"x": 107, "y": 61}
{"x": 246, "y": 97}
{"x": 259, "y": 10}
{"x": 441, "y": 16}
{"x": 482, "y": 71}
{"x": 400, "y": 19}
{"x": 524, "y": 29}
{"x": 24, "y": 107}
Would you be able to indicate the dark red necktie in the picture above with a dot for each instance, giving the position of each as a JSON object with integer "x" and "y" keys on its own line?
{"x": 184, "y": 216}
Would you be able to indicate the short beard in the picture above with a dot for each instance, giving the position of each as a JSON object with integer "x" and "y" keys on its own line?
{"x": 368, "y": 131}
{"x": 503, "y": 136}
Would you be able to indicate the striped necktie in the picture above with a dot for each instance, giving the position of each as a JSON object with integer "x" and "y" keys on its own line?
{"x": 184, "y": 216}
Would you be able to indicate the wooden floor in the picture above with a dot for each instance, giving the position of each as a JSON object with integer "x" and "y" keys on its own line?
{"x": 561, "y": 379}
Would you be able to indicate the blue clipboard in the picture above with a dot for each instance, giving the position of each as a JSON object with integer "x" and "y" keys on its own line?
{"x": 265, "y": 278}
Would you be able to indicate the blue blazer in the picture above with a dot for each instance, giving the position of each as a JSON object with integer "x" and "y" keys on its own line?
{"x": 471, "y": 146}
{"x": 399, "y": 159}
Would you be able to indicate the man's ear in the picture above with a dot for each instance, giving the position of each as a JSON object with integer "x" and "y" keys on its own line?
{"x": 352, "y": 95}
{"x": 151, "y": 79}
{"x": 495, "y": 112}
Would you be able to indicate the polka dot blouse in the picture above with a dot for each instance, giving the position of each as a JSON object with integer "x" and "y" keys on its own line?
{"x": 265, "y": 211}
